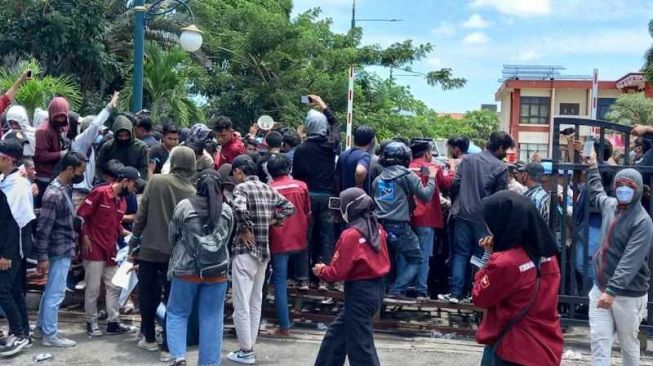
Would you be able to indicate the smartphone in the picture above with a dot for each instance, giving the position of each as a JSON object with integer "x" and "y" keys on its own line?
{"x": 588, "y": 147}
{"x": 334, "y": 203}
{"x": 305, "y": 99}
{"x": 29, "y": 74}
{"x": 568, "y": 131}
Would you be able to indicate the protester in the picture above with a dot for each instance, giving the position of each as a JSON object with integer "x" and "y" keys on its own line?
{"x": 230, "y": 145}
{"x": 457, "y": 147}
{"x": 16, "y": 215}
{"x": 427, "y": 216}
{"x": 21, "y": 130}
{"x": 518, "y": 285}
{"x": 257, "y": 207}
{"x": 353, "y": 167}
{"x": 84, "y": 143}
{"x": 28, "y": 170}
{"x": 314, "y": 163}
{"x": 102, "y": 211}
{"x": 251, "y": 146}
{"x": 513, "y": 183}
{"x": 50, "y": 144}
{"x": 291, "y": 140}
{"x": 143, "y": 130}
{"x": 641, "y": 146}
{"x": 530, "y": 175}
{"x": 56, "y": 240}
{"x": 124, "y": 147}
{"x": 40, "y": 117}
{"x": 159, "y": 154}
{"x": 200, "y": 230}
{"x": 393, "y": 192}
{"x": 273, "y": 140}
{"x": 8, "y": 97}
{"x": 477, "y": 176}
{"x": 290, "y": 240}
{"x": 150, "y": 245}
{"x": 618, "y": 300}
{"x": 361, "y": 260}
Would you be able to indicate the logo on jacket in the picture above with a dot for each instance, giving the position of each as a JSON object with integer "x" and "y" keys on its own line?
{"x": 485, "y": 282}
{"x": 385, "y": 190}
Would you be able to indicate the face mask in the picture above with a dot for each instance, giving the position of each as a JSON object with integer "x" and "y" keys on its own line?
{"x": 122, "y": 142}
{"x": 624, "y": 194}
{"x": 345, "y": 215}
{"x": 78, "y": 178}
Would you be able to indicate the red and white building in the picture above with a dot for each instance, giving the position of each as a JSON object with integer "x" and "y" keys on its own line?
{"x": 531, "y": 96}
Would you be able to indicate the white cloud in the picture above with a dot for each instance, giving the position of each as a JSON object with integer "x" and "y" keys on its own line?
{"x": 528, "y": 55}
{"x": 606, "y": 41}
{"x": 444, "y": 29}
{"x": 476, "y": 22}
{"x": 434, "y": 62}
{"x": 476, "y": 38}
{"x": 519, "y": 8}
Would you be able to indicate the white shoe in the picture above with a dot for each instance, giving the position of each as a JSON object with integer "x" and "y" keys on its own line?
{"x": 152, "y": 347}
{"x": 81, "y": 285}
{"x": 246, "y": 358}
{"x": 165, "y": 356}
{"x": 58, "y": 341}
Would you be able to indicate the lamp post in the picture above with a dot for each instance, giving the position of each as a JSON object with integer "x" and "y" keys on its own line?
{"x": 190, "y": 40}
{"x": 350, "y": 93}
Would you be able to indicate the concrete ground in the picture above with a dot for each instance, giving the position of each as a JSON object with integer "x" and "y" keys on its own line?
{"x": 300, "y": 350}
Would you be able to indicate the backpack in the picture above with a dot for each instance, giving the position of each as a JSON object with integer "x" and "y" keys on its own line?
{"x": 210, "y": 250}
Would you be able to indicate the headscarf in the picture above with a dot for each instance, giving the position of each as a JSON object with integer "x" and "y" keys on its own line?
{"x": 208, "y": 201}
{"x": 515, "y": 222}
{"x": 356, "y": 208}
{"x": 40, "y": 116}
{"x": 316, "y": 124}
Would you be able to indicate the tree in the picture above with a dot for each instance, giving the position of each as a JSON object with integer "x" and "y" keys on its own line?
{"x": 648, "y": 66}
{"x": 168, "y": 78}
{"x": 632, "y": 109}
{"x": 38, "y": 91}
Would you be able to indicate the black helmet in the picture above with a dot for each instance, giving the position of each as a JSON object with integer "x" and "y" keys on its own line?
{"x": 396, "y": 153}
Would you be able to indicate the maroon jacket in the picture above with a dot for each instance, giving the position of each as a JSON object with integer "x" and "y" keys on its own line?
{"x": 48, "y": 140}
{"x": 102, "y": 212}
{"x": 504, "y": 288}
{"x": 5, "y": 101}
{"x": 429, "y": 214}
{"x": 291, "y": 237}
{"x": 354, "y": 259}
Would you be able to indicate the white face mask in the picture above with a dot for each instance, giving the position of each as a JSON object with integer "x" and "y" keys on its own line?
{"x": 344, "y": 213}
{"x": 624, "y": 194}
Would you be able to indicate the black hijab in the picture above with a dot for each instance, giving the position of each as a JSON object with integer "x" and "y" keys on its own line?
{"x": 208, "y": 201}
{"x": 356, "y": 207}
{"x": 515, "y": 222}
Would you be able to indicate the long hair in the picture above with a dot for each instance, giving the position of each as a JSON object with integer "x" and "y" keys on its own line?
{"x": 209, "y": 193}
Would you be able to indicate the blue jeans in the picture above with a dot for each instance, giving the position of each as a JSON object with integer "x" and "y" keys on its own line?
{"x": 280, "y": 282}
{"x": 211, "y": 297}
{"x": 426, "y": 237}
{"x": 53, "y": 295}
{"x": 465, "y": 244}
{"x": 404, "y": 243}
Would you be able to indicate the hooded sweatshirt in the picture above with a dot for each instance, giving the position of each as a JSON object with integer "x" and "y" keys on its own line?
{"x": 621, "y": 263}
{"x": 392, "y": 190}
{"x": 19, "y": 114}
{"x": 162, "y": 194}
{"x": 134, "y": 153}
{"x": 48, "y": 141}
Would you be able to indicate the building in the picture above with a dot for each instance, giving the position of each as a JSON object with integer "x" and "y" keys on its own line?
{"x": 531, "y": 96}
{"x": 456, "y": 116}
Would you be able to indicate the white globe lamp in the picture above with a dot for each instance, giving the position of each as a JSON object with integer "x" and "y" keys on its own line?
{"x": 191, "y": 38}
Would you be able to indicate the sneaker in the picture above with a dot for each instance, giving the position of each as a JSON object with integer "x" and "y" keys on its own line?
{"x": 30, "y": 342}
{"x": 449, "y": 297}
{"x": 400, "y": 299}
{"x": 128, "y": 308}
{"x": 81, "y": 285}
{"x": 303, "y": 285}
{"x": 152, "y": 347}
{"x": 240, "y": 356}
{"x": 114, "y": 328}
{"x": 165, "y": 356}
{"x": 338, "y": 286}
{"x": 13, "y": 345}
{"x": 423, "y": 297}
{"x": 323, "y": 286}
{"x": 37, "y": 333}
{"x": 263, "y": 324}
{"x": 179, "y": 363}
{"x": 93, "y": 330}
{"x": 58, "y": 341}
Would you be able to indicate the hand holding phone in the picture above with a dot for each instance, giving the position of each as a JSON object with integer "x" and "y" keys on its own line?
{"x": 305, "y": 99}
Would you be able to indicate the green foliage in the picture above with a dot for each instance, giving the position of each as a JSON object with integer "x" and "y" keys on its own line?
{"x": 41, "y": 89}
{"x": 648, "y": 66}
{"x": 632, "y": 109}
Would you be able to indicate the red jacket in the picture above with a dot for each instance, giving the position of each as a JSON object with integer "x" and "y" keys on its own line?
{"x": 355, "y": 259}
{"x": 48, "y": 140}
{"x": 504, "y": 288}
{"x": 228, "y": 152}
{"x": 429, "y": 214}
{"x": 102, "y": 212}
{"x": 5, "y": 101}
{"x": 292, "y": 236}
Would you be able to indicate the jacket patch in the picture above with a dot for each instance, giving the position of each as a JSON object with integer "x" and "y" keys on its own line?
{"x": 485, "y": 282}
{"x": 385, "y": 190}
{"x": 526, "y": 266}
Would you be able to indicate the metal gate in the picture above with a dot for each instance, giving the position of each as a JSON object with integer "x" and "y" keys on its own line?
{"x": 573, "y": 231}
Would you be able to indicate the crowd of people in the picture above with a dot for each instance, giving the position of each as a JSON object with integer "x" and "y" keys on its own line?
{"x": 204, "y": 213}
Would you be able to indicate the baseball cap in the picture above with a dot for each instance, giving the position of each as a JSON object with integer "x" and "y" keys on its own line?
{"x": 244, "y": 163}
{"x": 535, "y": 170}
{"x": 131, "y": 173}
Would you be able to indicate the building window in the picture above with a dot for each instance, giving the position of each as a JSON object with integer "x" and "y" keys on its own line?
{"x": 534, "y": 110}
{"x": 526, "y": 151}
{"x": 569, "y": 109}
{"x": 603, "y": 107}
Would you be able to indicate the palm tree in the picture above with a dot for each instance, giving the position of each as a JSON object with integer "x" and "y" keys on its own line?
{"x": 38, "y": 91}
{"x": 169, "y": 75}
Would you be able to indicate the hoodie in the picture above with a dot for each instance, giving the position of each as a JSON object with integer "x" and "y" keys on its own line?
{"x": 162, "y": 194}
{"x": 49, "y": 141}
{"x": 621, "y": 263}
{"x": 393, "y": 190}
{"x": 19, "y": 114}
{"x": 134, "y": 153}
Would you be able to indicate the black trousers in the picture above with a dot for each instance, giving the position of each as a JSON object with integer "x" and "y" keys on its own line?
{"x": 152, "y": 280}
{"x": 12, "y": 297}
{"x": 351, "y": 334}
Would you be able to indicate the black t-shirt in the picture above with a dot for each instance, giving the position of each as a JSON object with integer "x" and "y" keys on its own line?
{"x": 160, "y": 155}
{"x": 315, "y": 164}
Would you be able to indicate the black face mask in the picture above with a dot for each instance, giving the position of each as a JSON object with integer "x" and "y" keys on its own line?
{"x": 122, "y": 142}
{"x": 78, "y": 178}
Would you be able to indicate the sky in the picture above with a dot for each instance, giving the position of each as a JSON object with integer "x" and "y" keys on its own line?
{"x": 476, "y": 38}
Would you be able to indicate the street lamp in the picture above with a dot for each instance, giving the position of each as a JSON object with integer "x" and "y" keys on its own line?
{"x": 190, "y": 40}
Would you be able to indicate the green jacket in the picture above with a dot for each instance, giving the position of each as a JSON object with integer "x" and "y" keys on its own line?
{"x": 134, "y": 154}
